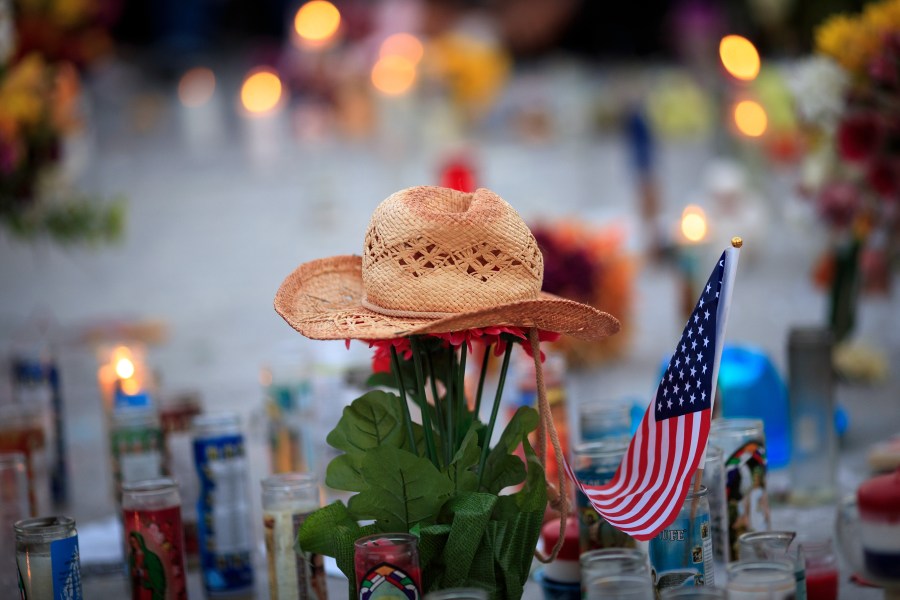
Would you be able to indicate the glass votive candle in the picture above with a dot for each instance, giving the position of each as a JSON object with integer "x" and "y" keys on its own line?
{"x": 714, "y": 480}
{"x": 694, "y": 593}
{"x": 47, "y": 557}
{"x": 388, "y": 559}
{"x": 618, "y": 587}
{"x": 775, "y": 545}
{"x": 13, "y": 507}
{"x": 595, "y": 463}
{"x": 761, "y": 580}
{"x": 743, "y": 444}
{"x": 597, "y": 564}
{"x": 457, "y": 594}
{"x": 604, "y": 420}
{"x": 822, "y": 578}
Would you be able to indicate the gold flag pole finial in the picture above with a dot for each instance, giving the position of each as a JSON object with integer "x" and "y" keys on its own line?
{"x": 737, "y": 242}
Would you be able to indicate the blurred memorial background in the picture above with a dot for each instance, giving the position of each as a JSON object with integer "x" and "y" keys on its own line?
{"x": 163, "y": 165}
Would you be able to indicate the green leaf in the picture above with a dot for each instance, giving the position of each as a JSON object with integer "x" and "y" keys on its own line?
{"x": 502, "y": 468}
{"x": 460, "y": 468}
{"x": 403, "y": 490}
{"x": 382, "y": 380}
{"x": 373, "y": 420}
{"x": 344, "y": 472}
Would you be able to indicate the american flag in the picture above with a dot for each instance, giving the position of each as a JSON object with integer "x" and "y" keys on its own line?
{"x": 653, "y": 479}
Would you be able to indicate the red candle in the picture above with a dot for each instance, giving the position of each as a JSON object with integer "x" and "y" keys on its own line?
{"x": 388, "y": 562}
{"x": 822, "y": 585}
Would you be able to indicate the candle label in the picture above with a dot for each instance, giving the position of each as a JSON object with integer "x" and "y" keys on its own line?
{"x": 594, "y": 531}
{"x": 65, "y": 569}
{"x": 681, "y": 555}
{"x": 137, "y": 455}
{"x": 388, "y": 581}
{"x": 223, "y": 513}
{"x": 156, "y": 554}
{"x": 291, "y": 573}
{"x": 745, "y": 491}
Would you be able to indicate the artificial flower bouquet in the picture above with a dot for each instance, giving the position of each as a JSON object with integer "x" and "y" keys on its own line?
{"x": 443, "y": 274}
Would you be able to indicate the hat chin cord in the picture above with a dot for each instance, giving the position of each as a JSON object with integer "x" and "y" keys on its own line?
{"x": 559, "y": 499}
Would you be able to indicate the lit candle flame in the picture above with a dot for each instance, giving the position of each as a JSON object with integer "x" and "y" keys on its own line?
{"x": 739, "y": 57}
{"x": 693, "y": 223}
{"x": 393, "y": 75}
{"x": 124, "y": 368}
{"x": 750, "y": 118}
{"x": 317, "y": 22}
{"x": 261, "y": 91}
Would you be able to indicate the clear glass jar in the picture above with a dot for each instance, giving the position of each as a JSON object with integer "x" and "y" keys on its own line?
{"x": 287, "y": 499}
{"x": 743, "y": 443}
{"x": 775, "y": 545}
{"x": 618, "y": 587}
{"x": 47, "y": 557}
{"x": 682, "y": 554}
{"x": 223, "y": 510}
{"x": 761, "y": 580}
{"x": 597, "y": 564}
{"x": 811, "y": 394}
{"x": 136, "y": 443}
{"x": 21, "y": 430}
{"x": 596, "y": 464}
{"x": 604, "y": 420}
{"x": 694, "y": 593}
{"x": 822, "y": 576}
{"x": 714, "y": 480}
{"x": 154, "y": 538}
{"x": 457, "y": 594}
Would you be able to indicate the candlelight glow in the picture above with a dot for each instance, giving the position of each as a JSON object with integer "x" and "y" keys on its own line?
{"x": 403, "y": 44}
{"x": 196, "y": 87}
{"x": 393, "y": 75}
{"x": 693, "y": 223}
{"x": 317, "y": 21}
{"x": 261, "y": 91}
{"x": 130, "y": 386}
{"x": 739, "y": 57}
{"x": 124, "y": 368}
{"x": 750, "y": 118}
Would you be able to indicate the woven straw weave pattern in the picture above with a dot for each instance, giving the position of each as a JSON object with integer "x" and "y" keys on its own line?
{"x": 437, "y": 250}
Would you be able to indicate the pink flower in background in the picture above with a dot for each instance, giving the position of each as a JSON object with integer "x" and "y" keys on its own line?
{"x": 838, "y": 202}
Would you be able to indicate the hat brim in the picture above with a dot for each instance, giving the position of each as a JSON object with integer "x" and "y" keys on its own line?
{"x": 322, "y": 299}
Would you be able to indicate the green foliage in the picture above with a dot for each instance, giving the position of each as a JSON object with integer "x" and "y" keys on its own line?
{"x": 466, "y": 536}
{"x": 79, "y": 220}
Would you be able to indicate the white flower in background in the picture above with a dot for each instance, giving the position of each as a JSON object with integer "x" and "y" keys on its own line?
{"x": 819, "y": 85}
{"x": 7, "y": 31}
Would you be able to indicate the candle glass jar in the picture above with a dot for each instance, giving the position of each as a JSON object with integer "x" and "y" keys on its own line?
{"x": 681, "y": 554}
{"x": 154, "y": 539}
{"x": 287, "y": 500}
{"x": 21, "y": 430}
{"x": 598, "y": 564}
{"x": 775, "y": 545}
{"x": 604, "y": 420}
{"x": 457, "y": 594}
{"x": 743, "y": 444}
{"x": 761, "y": 580}
{"x": 596, "y": 464}
{"x": 386, "y": 563}
{"x": 822, "y": 577}
{"x": 714, "y": 480}
{"x": 47, "y": 558}
{"x": 13, "y": 507}
{"x": 695, "y": 593}
{"x": 136, "y": 445}
{"x": 618, "y": 587}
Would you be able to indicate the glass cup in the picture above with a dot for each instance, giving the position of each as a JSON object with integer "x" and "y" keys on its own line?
{"x": 457, "y": 594}
{"x": 761, "y": 580}
{"x": 595, "y": 463}
{"x": 47, "y": 557}
{"x": 13, "y": 507}
{"x": 714, "y": 481}
{"x": 598, "y": 564}
{"x": 694, "y": 593}
{"x": 389, "y": 560}
{"x": 775, "y": 545}
{"x": 822, "y": 578}
{"x": 630, "y": 586}
{"x": 743, "y": 444}
{"x": 603, "y": 420}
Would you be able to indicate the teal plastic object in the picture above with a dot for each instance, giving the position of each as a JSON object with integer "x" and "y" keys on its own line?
{"x": 750, "y": 387}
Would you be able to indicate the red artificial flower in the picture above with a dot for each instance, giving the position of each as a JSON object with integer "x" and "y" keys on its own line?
{"x": 884, "y": 66}
{"x": 859, "y": 137}
{"x": 838, "y": 202}
{"x": 882, "y": 176}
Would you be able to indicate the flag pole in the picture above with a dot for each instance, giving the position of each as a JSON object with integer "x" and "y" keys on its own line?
{"x": 731, "y": 263}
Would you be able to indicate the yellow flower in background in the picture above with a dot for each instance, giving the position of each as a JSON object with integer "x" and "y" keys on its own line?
{"x": 71, "y": 13}
{"x": 847, "y": 40}
{"x": 474, "y": 71}
{"x": 881, "y": 17}
{"x": 23, "y": 92}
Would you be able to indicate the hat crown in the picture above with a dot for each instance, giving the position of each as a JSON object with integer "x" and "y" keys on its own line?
{"x": 432, "y": 251}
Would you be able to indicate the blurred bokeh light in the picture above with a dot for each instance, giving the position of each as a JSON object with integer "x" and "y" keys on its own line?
{"x": 693, "y": 223}
{"x": 750, "y": 118}
{"x": 261, "y": 91}
{"x": 393, "y": 75}
{"x": 403, "y": 44}
{"x": 739, "y": 57}
{"x": 317, "y": 22}
{"x": 196, "y": 87}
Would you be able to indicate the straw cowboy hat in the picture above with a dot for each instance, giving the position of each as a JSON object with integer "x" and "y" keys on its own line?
{"x": 434, "y": 260}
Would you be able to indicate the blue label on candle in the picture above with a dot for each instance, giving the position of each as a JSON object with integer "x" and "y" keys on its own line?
{"x": 65, "y": 569}
{"x": 681, "y": 555}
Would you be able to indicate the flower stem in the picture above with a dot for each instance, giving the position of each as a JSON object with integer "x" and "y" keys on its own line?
{"x": 420, "y": 389}
{"x": 450, "y": 432}
{"x": 461, "y": 406}
{"x": 490, "y": 429}
{"x": 481, "y": 376}
{"x": 395, "y": 363}
{"x": 438, "y": 413}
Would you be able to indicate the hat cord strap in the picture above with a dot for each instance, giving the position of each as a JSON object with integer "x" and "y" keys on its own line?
{"x": 559, "y": 499}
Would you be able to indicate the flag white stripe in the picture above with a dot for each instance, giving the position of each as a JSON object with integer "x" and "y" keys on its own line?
{"x": 629, "y": 470}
